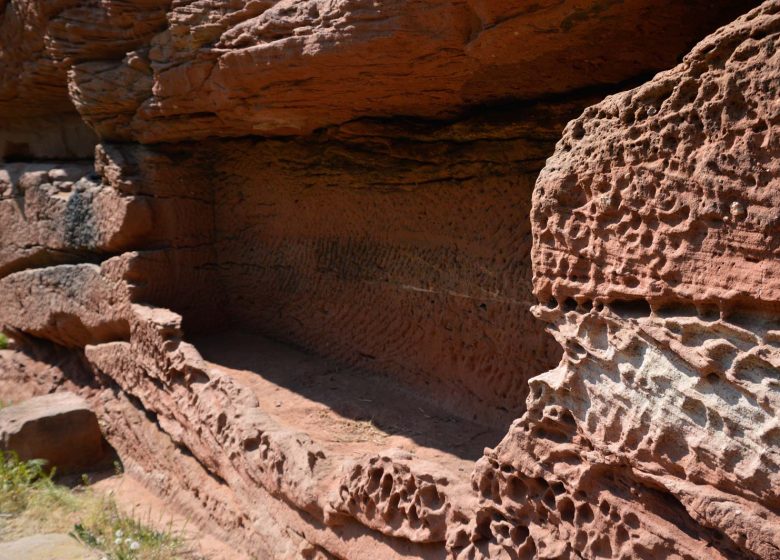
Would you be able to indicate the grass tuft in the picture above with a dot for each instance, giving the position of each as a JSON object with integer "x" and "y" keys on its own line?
{"x": 121, "y": 537}
{"x": 31, "y": 502}
{"x": 3, "y": 341}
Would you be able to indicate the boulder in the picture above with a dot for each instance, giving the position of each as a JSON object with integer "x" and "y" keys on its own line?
{"x": 59, "y": 428}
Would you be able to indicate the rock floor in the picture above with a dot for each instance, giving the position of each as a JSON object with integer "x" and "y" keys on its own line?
{"x": 347, "y": 410}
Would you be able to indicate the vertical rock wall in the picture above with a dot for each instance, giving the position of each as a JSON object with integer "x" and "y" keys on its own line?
{"x": 402, "y": 250}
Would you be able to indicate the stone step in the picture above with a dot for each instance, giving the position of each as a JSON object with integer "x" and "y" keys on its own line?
{"x": 50, "y": 546}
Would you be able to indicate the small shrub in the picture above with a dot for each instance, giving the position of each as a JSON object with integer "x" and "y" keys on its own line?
{"x": 20, "y": 480}
{"x": 3, "y": 341}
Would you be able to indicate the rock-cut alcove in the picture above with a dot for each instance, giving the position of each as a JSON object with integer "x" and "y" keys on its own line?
{"x": 378, "y": 270}
{"x": 403, "y": 249}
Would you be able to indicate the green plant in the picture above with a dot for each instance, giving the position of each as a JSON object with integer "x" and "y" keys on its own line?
{"x": 20, "y": 480}
{"x": 3, "y": 341}
{"x": 31, "y": 502}
{"x": 122, "y": 537}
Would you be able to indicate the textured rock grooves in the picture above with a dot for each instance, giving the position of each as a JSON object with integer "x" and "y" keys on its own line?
{"x": 301, "y": 309}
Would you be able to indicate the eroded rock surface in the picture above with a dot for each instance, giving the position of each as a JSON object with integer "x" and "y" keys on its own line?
{"x": 161, "y": 71}
{"x": 670, "y": 191}
{"x": 314, "y": 345}
{"x": 654, "y": 251}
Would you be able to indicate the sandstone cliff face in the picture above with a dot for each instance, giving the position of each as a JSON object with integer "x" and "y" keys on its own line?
{"x": 655, "y": 247}
{"x": 305, "y": 335}
{"x": 162, "y": 71}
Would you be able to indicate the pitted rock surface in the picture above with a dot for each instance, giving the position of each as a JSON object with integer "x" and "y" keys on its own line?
{"x": 654, "y": 245}
{"x": 670, "y": 191}
{"x": 333, "y": 290}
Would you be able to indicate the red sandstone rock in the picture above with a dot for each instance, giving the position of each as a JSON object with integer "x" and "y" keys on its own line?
{"x": 157, "y": 72}
{"x": 59, "y": 428}
{"x": 73, "y": 215}
{"x": 670, "y": 191}
{"x": 654, "y": 244}
{"x": 392, "y": 257}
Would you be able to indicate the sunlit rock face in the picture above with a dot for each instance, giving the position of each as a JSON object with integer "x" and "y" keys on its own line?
{"x": 162, "y": 71}
{"x": 655, "y": 261}
{"x": 340, "y": 281}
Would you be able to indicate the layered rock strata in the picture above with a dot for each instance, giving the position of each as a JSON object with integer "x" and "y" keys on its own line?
{"x": 655, "y": 245}
{"x": 162, "y": 71}
{"x": 306, "y": 342}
